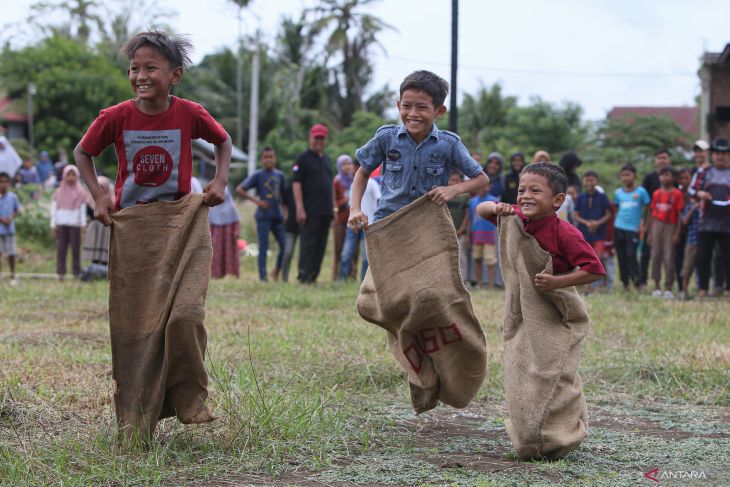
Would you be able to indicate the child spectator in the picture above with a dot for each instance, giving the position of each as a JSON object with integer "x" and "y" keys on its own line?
{"x": 44, "y": 167}
{"x": 483, "y": 237}
{"x": 409, "y": 174}
{"x": 592, "y": 212}
{"x": 157, "y": 363}
{"x": 341, "y": 189}
{"x": 225, "y": 227}
{"x": 663, "y": 234}
{"x": 689, "y": 219}
{"x": 570, "y": 162}
{"x": 459, "y": 210}
{"x": 291, "y": 231}
{"x": 714, "y": 225}
{"x": 68, "y": 217}
{"x": 9, "y": 208}
{"x": 566, "y": 212}
{"x": 28, "y": 173}
{"x": 269, "y": 184}
{"x": 493, "y": 168}
{"x": 541, "y": 156}
{"x": 368, "y": 205}
{"x": 538, "y": 426}
{"x": 632, "y": 202}
{"x": 512, "y": 179}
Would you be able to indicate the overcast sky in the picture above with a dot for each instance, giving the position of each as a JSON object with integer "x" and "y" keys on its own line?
{"x": 597, "y": 53}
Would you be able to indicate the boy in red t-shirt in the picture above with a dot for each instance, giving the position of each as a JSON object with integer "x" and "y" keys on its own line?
{"x": 152, "y": 135}
{"x": 663, "y": 234}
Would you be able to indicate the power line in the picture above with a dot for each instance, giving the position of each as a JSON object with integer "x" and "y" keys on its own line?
{"x": 546, "y": 72}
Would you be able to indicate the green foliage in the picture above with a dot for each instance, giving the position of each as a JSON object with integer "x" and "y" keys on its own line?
{"x": 480, "y": 115}
{"x": 73, "y": 83}
{"x": 33, "y": 221}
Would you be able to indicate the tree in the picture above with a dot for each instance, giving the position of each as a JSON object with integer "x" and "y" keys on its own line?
{"x": 73, "y": 83}
{"x": 482, "y": 113}
{"x": 352, "y": 38}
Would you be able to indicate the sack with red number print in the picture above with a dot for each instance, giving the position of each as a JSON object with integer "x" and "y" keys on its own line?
{"x": 542, "y": 332}
{"x": 414, "y": 289}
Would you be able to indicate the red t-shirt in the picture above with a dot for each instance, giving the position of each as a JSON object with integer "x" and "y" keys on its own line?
{"x": 667, "y": 205}
{"x": 563, "y": 241}
{"x": 155, "y": 149}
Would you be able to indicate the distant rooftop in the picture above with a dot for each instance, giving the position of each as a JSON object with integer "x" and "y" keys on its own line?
{"x": 686, "y": 117}
{"x": 8, "y": 112}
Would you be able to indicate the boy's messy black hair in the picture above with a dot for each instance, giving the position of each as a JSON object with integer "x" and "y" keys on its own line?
{"x": 662, "y": 151}
{"x": 430, "y": 83}
{"x": 176, "y": 49}
{"x": 268, "y": 148}
{"x": 556, "y": 177}
{"x": 682, "y": 170}
{"x": 627, "y": 167}
{"x": 5, "y": 175}
{"x": 591, "y": 174}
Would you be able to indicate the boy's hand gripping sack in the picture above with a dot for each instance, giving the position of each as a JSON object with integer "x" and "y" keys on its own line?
{"x": 413, "y": 288}
{"x": 160, "y": 256}
{"x": 542, "y": 335}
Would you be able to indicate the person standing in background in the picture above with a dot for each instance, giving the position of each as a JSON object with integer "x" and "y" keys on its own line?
{"x": 312, "y": 189}
{"x": 68, "y": 217}
{"x": 341, "y": 189}
{"x": 512, "y": 179}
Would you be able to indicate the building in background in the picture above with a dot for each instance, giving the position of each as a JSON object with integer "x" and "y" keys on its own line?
{"x": 715, "y": 98}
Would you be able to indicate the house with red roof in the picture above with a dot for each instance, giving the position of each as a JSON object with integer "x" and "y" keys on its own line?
{"x": 686, "y": 117}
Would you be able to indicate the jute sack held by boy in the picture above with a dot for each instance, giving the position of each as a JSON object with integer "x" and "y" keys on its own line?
{"x": 543, "y": 258}
{"x": 414, "y": 290}
{"x": 160, "y": 256}
{"x": 413, "y": 287}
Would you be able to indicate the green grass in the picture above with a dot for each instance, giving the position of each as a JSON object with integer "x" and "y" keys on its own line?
{"x": 304, "y": 389}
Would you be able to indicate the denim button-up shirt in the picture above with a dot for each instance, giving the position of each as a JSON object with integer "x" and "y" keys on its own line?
{"x": 411, "y": 170}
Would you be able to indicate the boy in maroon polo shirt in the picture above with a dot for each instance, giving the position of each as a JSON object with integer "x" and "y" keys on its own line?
{"x": 541, "y": 192}
{"x": 663, "y": 234}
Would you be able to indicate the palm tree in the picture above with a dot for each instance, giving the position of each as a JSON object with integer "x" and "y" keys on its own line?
{"x": 352, "y": 35}
{"x": 485, "y": 110}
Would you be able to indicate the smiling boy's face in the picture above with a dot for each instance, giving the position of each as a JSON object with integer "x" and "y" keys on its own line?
{"x": 151, "y": 75}
{"x": 418, "y": 113}
{"x": 535, "y": 198}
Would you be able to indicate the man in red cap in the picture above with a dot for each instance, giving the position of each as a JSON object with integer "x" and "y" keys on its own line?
{"x": 312, "y": 190}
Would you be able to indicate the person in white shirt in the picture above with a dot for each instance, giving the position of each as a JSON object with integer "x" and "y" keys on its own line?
{"x": 370, "y": 200}
{"x": 68, "y": 217}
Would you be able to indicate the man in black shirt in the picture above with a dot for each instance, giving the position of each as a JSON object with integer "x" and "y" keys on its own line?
{"x": 314, "y": 200}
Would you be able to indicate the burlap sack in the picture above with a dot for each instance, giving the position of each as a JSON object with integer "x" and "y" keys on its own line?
{"x": 413, "y": 289}
{"x": 542, "y": 335}
{"x": 159, "y": 268}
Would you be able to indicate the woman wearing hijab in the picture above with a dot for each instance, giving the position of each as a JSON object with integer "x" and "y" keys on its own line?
{"x": 341, "y": 186}
{"x": 68, "y": 217}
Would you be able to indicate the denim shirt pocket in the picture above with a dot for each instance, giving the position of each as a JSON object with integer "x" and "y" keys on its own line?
{"x": 435, "y": 169}
{"x": 393, "y": 174}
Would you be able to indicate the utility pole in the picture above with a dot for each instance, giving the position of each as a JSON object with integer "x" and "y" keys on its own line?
{"x": 253, "y": 123}
{"x": 31, "y": 136}
{"x": 454, "y": 63}
{"x": 239, "y": 82}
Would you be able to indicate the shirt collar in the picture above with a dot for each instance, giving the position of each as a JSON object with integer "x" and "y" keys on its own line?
{"x": 434, "y": 131}
{"x": 535, "y": 225}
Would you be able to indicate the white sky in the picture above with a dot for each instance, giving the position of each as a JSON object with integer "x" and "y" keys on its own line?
{"x": 594, "y": 52}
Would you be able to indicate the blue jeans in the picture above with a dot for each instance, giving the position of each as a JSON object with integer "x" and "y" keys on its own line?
{"x": 352, "y": 240}
{"x": 263, "y": 227}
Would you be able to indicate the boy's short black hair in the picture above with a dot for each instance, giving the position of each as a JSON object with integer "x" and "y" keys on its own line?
{"x": 591, "y": 174}
{"x": 430, "y": 83}
{"x": 268, "y": 148}
{"x": 176, "y": 49}
{"x": 556, "y": 177}
{"x": 667, "y": 169}
{"x": 628, "y": 167}
{"x": 5, "y": 175}
{"x": 662, "y": 151}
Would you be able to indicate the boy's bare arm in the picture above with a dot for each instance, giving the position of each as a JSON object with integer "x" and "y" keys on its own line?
{"x": 358, "y": 220}
{"x": 215, "y": 191}
{"x": 299, "y": 202}
{"x": 103, "y": 204}
{"x": 549, "y": 282}
{"x": 248, "y": 196}
{"x": 488, "y": 209}
{"x": 444, "y": 194}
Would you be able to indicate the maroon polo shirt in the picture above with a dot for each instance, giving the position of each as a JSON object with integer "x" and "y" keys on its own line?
{"x": 563, "y": 241}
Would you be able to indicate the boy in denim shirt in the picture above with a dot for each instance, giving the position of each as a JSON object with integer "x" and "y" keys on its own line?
{"x": 417, "y": 157}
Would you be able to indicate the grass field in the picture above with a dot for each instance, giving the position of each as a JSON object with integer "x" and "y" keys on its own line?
{"x": 307, "y": 394}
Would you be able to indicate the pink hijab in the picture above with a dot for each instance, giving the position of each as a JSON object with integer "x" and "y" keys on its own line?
{"x": 70, "y": 196}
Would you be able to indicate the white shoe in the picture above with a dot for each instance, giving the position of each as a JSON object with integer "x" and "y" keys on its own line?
{"x": 14, "y": 281}
{"x": 657, "y": 293}
{"x": 668, "y": 295}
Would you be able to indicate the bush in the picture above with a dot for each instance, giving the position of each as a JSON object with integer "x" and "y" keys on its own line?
{"x": 33, "y": 220}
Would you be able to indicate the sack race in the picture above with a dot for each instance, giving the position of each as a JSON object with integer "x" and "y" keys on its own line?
{"x": 413, "y": 288}
{"x": 159, "y": 268}
{"x": 548, "y": 416}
